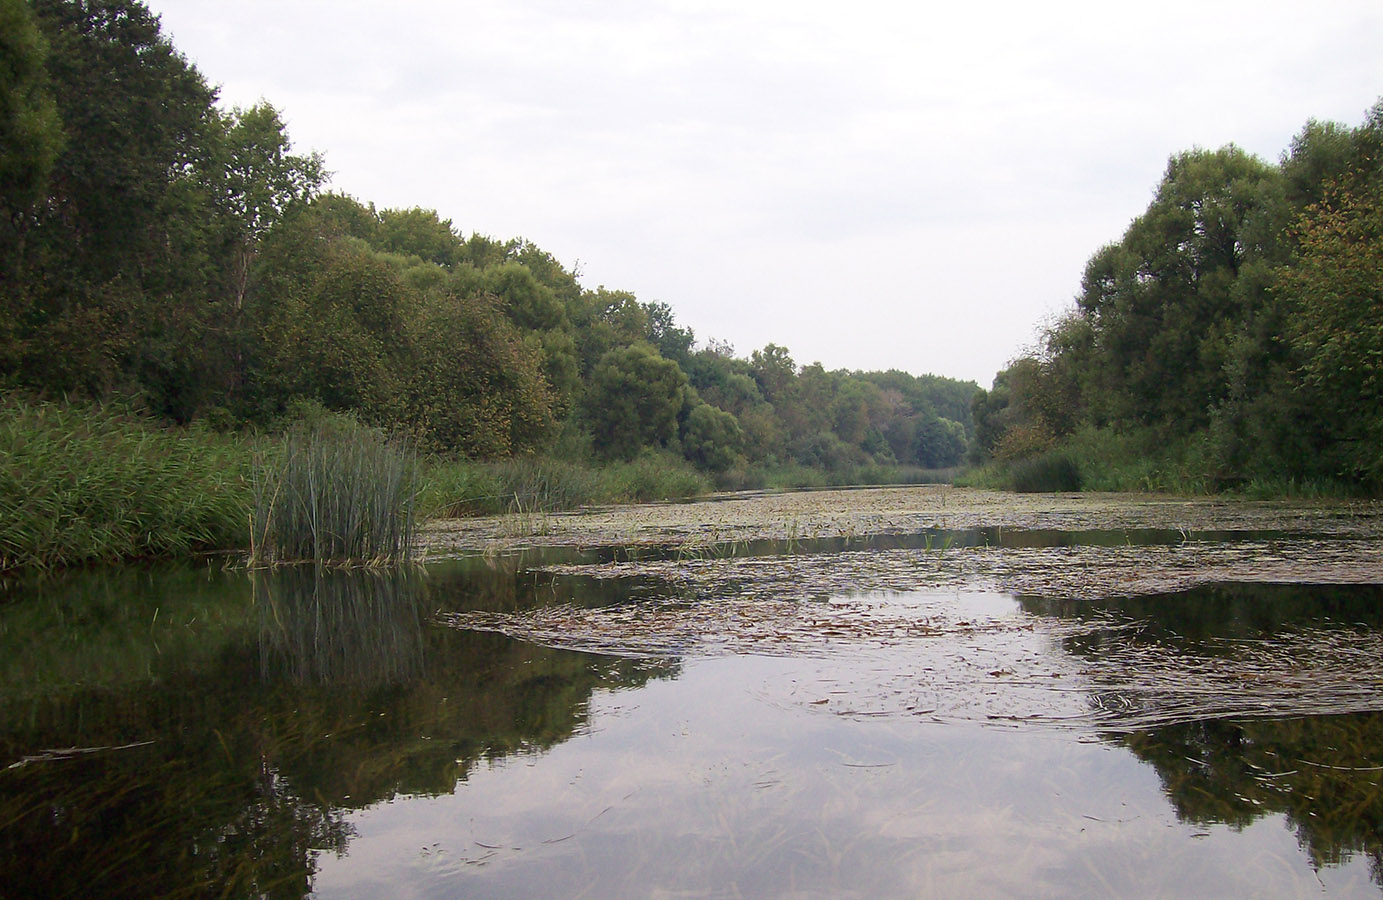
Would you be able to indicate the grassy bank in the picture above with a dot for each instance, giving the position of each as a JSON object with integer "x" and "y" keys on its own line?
{"x": 81, "y": 484}
{"x": 452, "y": 488}
{"x": 1100, "y": 459}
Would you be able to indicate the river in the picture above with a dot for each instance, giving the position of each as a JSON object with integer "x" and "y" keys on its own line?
{"x": 908, "y": 693}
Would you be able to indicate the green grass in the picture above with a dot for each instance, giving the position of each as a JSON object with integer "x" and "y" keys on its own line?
{"x": 534, "y": 484}
{"x": 334, "y": 492}
{"x": 82, "y": 483}
{"x": 1141, "y": 460}
{"x": 1051, "y": 472}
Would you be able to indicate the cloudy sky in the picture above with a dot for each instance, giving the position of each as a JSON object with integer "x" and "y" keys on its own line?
{"x": 872, "y": 185}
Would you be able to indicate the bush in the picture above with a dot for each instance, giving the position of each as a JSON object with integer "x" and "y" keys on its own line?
{"x": 712, "y": 438}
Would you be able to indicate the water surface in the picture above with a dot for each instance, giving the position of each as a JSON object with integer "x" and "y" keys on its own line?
{"x": 189, "y": 732}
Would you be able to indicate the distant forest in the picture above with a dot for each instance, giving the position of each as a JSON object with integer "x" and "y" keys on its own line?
{"x": 161, "y": 252}
{"x": 1231, "y": 339}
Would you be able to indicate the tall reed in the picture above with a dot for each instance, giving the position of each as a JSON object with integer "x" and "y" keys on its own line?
{"x": 83, "y": 483}
{"x": 335, "y": 493}
{"x": 543, "y": 485}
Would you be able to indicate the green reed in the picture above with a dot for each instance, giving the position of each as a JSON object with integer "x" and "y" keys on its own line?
{"x": 336, "y": 493}
{"x": 537, "y": 485}
{"x": 82, "y": 483}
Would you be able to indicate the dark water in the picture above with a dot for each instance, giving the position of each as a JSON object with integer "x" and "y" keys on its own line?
{"x": 191, "y": 732}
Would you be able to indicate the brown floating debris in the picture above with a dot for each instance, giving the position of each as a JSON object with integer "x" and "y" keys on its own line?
{"x": 867, "y": 616}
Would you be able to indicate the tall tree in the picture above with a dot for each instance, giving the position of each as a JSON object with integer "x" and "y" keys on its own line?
{"x": 254, "y": 178}
{"x": 137, "y": 116}
{"x": 102, "y": 251}
{"x": 30, "y": 130}
{"x": 1162, "y": 301}
{"x": 633, "y": 401}
{"x": 1334, "y": 291}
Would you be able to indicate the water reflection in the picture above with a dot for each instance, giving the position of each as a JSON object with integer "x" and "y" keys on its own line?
{"x": 1220, "y": 651}
{"x": 188, "y": 732}
{"x": 217, "y": 751}
{"x": 1209, "y": 619}
{"x": 1324, "y": 774}
{"x": 512, "y": 582}
{"x": 334, "y": 626}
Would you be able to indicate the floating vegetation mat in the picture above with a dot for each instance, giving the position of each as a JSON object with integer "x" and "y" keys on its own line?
{"x": 979, "y": 657}
{"x": 726, "y": 520}
{"x": 936, "y": 632}
{"x": 1064, "y": 572}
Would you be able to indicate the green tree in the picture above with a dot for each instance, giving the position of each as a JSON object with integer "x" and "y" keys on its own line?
{"x": 324, "y": 322}
{"x": 673, "y": 341}
{"x": 633, "y": 401}
{"x": 603, "y": 321}
{"x": 940, "y": 443}
{"x": 30, "y": 130}
{"x": 418, "y": 232}
{"x": 1162, "y": 302}
{"x": 1334, "y": 288}
{"x": 712, "y": 438}
{"x": 474, "y": 386}
{"x": 102, "y": 266}
{"x": 254, "y": 179}
{"x": 137, "y": 116}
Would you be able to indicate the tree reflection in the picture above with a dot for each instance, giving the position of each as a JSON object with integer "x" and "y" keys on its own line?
{"x": 214, "y": 753}
{"x": 1323, "y": 773}
{"x": 1208, "y": 619}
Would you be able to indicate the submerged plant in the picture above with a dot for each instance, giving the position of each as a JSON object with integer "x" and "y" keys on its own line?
{"x": 340, "y": 494}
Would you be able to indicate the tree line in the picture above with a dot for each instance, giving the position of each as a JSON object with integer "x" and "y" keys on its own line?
{"x": 158, "y": 249}
{"x": 1232, "y": 337}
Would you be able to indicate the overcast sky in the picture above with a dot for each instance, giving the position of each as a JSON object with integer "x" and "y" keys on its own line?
{"x": 872, "y": 185}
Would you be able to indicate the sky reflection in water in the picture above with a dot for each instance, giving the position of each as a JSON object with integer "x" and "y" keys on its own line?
{"x": 697, "y": 786}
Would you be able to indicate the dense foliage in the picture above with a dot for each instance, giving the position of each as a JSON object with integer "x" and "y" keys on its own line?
{"x": 1233, "y": 337}
{"x": 181, "y": 258}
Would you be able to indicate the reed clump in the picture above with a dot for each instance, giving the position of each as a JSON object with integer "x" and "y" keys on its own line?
{"x": 83, "y": 483}
{"x": 536, "y": 485}
{"x": 335, "y": 492}
{"x": 1050, "y": 472}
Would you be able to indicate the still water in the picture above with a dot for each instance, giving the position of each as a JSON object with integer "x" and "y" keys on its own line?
{"x": 191, "y": 732}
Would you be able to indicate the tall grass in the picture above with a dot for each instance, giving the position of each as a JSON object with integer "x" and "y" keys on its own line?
{"x": 336, "y": 493}
{"x": 1138, "y": 460}
{"x": 1050, "y": 472}
{"x": 83, "y": 483}
{"x": 534, "y": 484}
